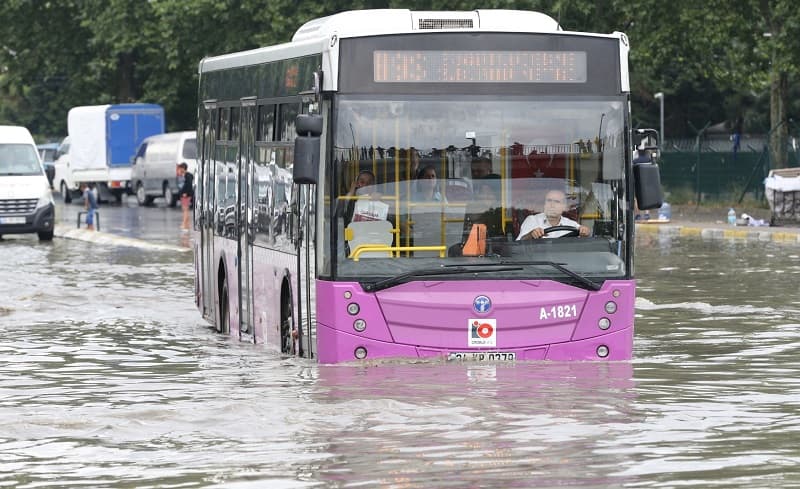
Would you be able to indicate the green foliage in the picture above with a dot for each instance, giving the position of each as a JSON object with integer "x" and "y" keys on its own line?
{"x": 710, "y": 59}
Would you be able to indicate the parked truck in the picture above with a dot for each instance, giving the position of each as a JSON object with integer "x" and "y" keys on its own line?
{"x": 102, "y": 140}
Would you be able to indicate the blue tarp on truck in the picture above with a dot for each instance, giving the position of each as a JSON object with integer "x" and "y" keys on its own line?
{"x": 127, "y": 125}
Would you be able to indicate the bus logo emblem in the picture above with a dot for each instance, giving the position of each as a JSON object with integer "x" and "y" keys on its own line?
{"x": 482, "y": 304}
{"x": 482, "y": 332}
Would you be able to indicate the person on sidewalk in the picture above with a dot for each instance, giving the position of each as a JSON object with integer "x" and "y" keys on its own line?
{"x": 90, "y": 204}
{"x": 187, "y": 194}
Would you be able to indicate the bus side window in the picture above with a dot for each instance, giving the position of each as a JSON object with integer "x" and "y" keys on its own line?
{"x": 288, "y": 114}
{"x": 266, "y": 123}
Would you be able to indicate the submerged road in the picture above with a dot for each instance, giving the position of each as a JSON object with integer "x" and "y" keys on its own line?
{"x": 109, "y": 377}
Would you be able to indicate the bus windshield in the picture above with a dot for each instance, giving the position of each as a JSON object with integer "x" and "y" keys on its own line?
{"x": 428, "y": 183}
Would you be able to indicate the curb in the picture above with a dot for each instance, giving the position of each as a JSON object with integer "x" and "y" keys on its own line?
{"x": 69, "y": 232}
{"x": 750, "y": 234}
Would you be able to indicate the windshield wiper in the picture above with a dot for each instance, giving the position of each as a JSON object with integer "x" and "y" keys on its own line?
{"x": 561, "y": 268}
{"x": 558, "y": 266}
{"x": 447, "y": 270}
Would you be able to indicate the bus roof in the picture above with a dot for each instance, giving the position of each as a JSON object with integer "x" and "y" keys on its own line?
{"x": 312, "y": 37}
{"x": 316, "y": 36}
{"x": 358, "y": 23}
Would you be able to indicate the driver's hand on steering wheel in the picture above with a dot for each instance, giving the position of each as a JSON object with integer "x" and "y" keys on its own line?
{"x": 538, "y": 233}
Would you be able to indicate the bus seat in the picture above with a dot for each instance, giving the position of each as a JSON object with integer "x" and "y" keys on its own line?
{"x": 360, "y": 233}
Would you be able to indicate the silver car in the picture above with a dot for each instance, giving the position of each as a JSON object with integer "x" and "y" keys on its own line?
{"x": 154, "y": 165}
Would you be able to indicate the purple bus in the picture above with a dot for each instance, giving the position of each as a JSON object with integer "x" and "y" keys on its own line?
{"x": 455, "y": 185}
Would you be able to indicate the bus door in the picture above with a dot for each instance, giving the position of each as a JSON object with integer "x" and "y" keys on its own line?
{"x": 246, "y": 219}
{"x": 206, "y": 209}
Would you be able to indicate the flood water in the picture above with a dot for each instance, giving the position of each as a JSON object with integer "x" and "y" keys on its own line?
{"x": 110, "y": 378}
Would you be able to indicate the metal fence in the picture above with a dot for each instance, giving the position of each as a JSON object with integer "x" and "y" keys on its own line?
{"x": 714, "y": 172}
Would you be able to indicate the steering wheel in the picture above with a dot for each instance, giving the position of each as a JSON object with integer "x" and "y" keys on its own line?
{"x": 573, "y": 232}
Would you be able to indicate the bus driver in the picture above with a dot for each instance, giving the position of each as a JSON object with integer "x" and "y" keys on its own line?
{"x": 555, "y": 204}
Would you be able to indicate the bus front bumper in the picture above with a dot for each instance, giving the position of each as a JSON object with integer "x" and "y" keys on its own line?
{"x": 340, "y": 346}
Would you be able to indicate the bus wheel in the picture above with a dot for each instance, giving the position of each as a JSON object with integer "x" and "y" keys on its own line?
{"x": 224, "y": 324}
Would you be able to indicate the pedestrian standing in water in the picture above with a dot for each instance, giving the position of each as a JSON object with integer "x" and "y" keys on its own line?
{"x": 89, "y": 204}
{"x": 186, "y": 192}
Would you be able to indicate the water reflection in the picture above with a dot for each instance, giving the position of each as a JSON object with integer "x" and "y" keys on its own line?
{"x": 455, "y": 425}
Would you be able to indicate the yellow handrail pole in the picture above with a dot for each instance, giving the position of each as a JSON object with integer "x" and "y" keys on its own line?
{"x": 409, "y": 176}
{"x": 443, "y": 192}
{"x": 366, "y": 248}
{"x": 503, "y": 192}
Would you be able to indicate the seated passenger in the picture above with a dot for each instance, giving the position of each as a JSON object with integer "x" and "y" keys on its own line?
{"x": 426, "y": 186}
{"x": 485, "y": 208}
{"x": 480, "y": 167}
{"x": 555, "y": 204}
{"x": 345, "y": 207}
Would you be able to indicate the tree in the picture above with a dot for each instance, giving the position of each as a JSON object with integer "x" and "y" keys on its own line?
{"x": 754, "y": 45}
{"x": 711, "y": 59}
{"x": 40, "y": 62}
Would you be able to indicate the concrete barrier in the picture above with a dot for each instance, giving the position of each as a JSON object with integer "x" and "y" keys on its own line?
{"x": 715, "y": 231}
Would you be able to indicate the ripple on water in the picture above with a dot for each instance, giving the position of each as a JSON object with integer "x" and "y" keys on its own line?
{"x": 110, "y": 378}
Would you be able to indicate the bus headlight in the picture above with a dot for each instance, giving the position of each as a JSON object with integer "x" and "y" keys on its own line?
{"x": 611, "y": 307}
{"x": 602, "y": 351}
{"x": 604, "y": 323}
{"x": 353, "y": 308}
{"x": 359, "y": 325}
{"x": 360, "y": 353}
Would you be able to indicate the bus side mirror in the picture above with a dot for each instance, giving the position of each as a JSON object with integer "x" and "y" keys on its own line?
{"x": 307, "y": 148}
{"x": 646, "y": 177}
{"x": 647, "y": 181}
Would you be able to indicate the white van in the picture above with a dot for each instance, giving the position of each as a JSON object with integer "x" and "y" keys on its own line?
{"x": 155, "y": 163}
{"x": 26, "y": 204}
{"x": 62, "y": 179}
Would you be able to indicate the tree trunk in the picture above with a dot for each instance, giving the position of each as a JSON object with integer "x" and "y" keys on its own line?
{"x": 779, "y": 133}
{"x": 126, "y": 85}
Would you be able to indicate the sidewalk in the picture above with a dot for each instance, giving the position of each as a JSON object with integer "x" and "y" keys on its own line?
{"x": 155, "y": 227}
{"x": 711, "y": 223}
{"x": 83, "y": 234}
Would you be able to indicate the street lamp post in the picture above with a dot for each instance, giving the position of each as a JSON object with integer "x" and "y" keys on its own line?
{"x": 660, "y": 97}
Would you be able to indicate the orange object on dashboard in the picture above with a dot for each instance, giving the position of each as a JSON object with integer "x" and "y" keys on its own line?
{"x": 476, "y": 242}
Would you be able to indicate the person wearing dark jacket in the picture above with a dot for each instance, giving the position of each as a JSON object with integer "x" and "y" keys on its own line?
{"x": 186, "y": 192}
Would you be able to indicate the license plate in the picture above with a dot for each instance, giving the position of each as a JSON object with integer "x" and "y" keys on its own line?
{"x": 12, "y": 220}
{"x": 482, "y": 356}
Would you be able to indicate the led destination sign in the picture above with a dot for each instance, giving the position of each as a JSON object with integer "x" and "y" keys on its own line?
{"x": 479, "y": 66}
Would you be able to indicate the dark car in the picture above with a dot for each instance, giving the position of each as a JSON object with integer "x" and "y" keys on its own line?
{"x": 48, "y": 153}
